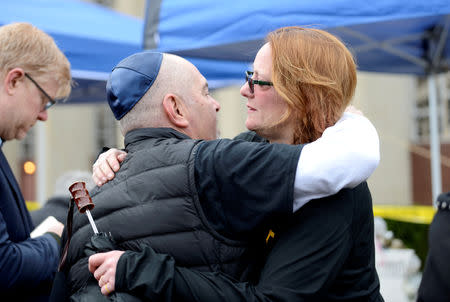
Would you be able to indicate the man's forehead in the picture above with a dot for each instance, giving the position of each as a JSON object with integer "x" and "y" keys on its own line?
{"x": 203, "y": 82}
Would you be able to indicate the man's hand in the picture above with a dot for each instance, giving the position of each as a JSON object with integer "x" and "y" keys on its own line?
{"x": 103, "y": 266}
{"x": 106, "y": 165}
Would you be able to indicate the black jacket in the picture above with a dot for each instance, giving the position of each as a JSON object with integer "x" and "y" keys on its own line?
{"x": 153, "y": 200}
{"x": 324, "y": 253}
{"x": 243, "y": 187}
{"x": 435, "y": 284}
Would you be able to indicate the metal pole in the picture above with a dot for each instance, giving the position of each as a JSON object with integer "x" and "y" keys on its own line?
{"x": 91, "y": 221}
{"x": 435, "y": 146}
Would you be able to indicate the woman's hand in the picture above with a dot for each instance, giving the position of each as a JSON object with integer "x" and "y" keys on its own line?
{"x": 106, "y": 165}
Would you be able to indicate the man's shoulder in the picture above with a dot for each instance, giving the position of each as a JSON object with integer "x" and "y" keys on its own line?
{"x": 143, "y": 134}
{"x": 140, "y": 141}
{"x": 160, "y": 147}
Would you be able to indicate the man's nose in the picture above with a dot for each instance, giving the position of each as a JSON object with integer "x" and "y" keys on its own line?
{"x": 43, "y": 115}
{"x": 216, "y": 103}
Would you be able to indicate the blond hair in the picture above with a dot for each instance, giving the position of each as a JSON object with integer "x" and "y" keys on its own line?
{"x": 25, "y": 46}
{"x": 315, "y": 74}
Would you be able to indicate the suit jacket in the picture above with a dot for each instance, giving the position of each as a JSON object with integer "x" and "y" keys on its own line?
{"x": 27, "y": 265}
{"x": 435, "y": 284}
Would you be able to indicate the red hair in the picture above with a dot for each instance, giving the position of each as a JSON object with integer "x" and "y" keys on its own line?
{"x": 315, "y": 74}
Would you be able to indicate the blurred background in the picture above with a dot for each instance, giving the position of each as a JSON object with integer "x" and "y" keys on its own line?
{"x": 395, "y": 99}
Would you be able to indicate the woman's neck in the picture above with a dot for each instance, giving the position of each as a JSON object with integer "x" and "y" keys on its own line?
{"x": 281, "y": 134}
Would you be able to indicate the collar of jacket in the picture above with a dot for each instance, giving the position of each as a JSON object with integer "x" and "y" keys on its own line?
{"x": 443, "y": 201}
{"x": 145, "y": 133}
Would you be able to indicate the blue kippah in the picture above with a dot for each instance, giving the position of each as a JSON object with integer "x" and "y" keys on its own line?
{"x": 130, "y": 80}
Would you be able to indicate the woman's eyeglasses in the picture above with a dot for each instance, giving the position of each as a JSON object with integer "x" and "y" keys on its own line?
{"x": 251, "y": 82}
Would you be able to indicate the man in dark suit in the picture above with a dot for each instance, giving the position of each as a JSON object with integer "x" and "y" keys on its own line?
{"x": 33, "y": 74}
{"x": 435, "y": 284}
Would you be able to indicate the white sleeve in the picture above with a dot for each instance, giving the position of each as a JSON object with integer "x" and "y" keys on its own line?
{"x": 344, "y": 156}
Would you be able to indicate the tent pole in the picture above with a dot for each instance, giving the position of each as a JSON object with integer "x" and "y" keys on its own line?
{"x": 435, "y": 147}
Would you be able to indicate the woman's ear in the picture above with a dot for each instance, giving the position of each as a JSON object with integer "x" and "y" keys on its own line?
{"x": 175, "y": 110}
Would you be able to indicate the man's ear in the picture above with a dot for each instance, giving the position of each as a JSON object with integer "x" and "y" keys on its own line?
{"x": 175, "y": 110}
{"x": 12, "y": 78}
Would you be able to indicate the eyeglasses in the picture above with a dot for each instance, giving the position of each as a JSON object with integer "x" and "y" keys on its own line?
{"x": 51, "y": 101}
{"x": 251, "y": 82}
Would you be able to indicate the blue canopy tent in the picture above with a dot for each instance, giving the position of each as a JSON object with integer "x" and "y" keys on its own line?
{"x": 221, "y": 39}
{"x": 93, "y": 38}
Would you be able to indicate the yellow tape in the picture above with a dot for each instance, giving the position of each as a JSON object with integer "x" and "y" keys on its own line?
{"x": 32, "y": 205}
{"x": 415, "y": 214}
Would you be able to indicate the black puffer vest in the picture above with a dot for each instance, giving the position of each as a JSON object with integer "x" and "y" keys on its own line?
{"x": 153, "y": 200}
